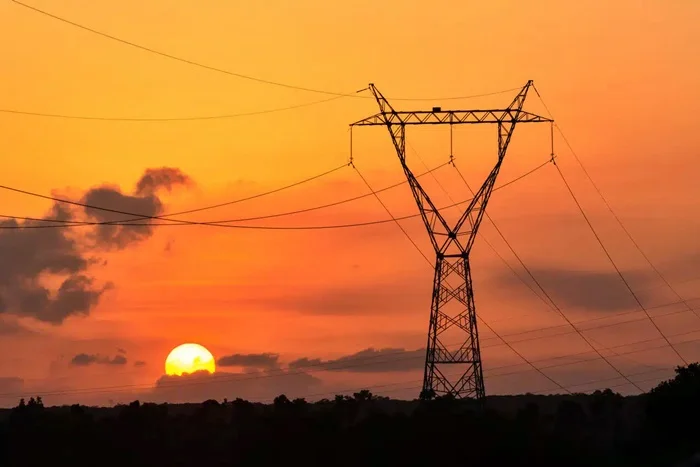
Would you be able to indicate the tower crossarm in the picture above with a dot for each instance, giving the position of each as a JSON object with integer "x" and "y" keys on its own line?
{"x": 451, "y": 117}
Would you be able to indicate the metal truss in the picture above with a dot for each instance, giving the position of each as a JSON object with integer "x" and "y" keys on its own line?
{"x": 452, "y": 284}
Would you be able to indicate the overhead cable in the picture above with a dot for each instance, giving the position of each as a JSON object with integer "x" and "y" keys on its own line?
{"x": 617, "y": 218}
{"x": 224, "y": 71}
{"x": 58, "y": 223}
{"x": 544, "y": 292}
{"x": 168, "y": 119}
{"x": 242, "y": 219}
{"x": 167, "y": 216}
{"x": 614, "y": 264}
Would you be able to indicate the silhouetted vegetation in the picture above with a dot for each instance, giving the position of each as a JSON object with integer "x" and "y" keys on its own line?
{"x": 603, "y": 429}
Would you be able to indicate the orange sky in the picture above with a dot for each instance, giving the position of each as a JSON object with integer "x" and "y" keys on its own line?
{"x": 620, "y": 77}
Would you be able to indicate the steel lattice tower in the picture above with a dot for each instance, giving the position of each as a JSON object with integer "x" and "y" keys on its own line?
{"x": 452, "y": 284}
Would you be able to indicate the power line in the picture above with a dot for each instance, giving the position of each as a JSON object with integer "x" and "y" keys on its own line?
{"x": 166, "y": 217}
{"x": 614, "y": 264}
{"x": 391, "y": 215}
{"x": 323, "y": 206}
{"x": 647, "y": 380}
{"x": 612, "y": 315}
{"x": 243, "y": 219}
{"x": 210, "y": 117}
{"x": 222, "y": 223}
{"x": 166, "y": 119}
{"x": 600, "y": 326}
{"x": 609, "y": 207}
{"x": 224, "y": 71}
{"x": 173, "y": 57}
{"x": 544, "y": 292}
{"x": 180, "y": 224}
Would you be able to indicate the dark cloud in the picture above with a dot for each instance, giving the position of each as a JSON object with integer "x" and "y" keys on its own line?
{"x": 139, "y": 363}
{"x": 83, "y": 359}
{"x": 262, "y": 360}
{"x": 399, "y": 297}
{"x": 119, "y": 236}
{"x": 163, "y": 177}
{"x": 590, "y": 290}
{"x": 144, "y": 202}
{"x": 75, "y": 296}
{"x": 368, "y": 361}
{"x": 118, "y": 360}
{"x": 28, "y": 253}
{"x": 256, "y": 386}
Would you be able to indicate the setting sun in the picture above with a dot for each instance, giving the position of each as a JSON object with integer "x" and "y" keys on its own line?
{"x": 189, "y": 358}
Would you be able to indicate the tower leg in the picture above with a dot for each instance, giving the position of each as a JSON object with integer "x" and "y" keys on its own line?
{"x": 457, "y": 372}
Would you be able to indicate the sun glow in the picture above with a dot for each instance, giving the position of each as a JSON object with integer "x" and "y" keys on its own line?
{"x": 188, "y": 358}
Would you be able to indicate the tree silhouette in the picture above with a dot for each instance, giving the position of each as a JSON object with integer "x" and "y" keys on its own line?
{"x": 601, "y": 429}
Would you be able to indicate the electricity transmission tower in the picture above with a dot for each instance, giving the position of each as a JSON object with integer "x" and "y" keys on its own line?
{"x": 452, "y": 307}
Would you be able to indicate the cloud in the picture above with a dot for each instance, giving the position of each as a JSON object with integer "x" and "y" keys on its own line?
{"x": 163, "y": 177}
{"x": 144, "y": 202}
{"x": 119, "y": 236}
{"x": 399, "y": 297}
{"x": 83, "y": 359}
{"x": 262, "y": 360}
{"x": 31, "y": 253}
{"x": 368, "y": 361}
{"x": 139, "y": 363}
{"x": 257, "y": 386}
{"x": 118, "y": 360}
{"x": 75, "y": 296}
{"x": 590, "y": 290}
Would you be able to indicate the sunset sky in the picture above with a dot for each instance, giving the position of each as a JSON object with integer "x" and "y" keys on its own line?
{"x": 620, "y": 78}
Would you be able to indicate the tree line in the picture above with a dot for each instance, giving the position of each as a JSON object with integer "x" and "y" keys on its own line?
{"x": 659, "y": 428}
